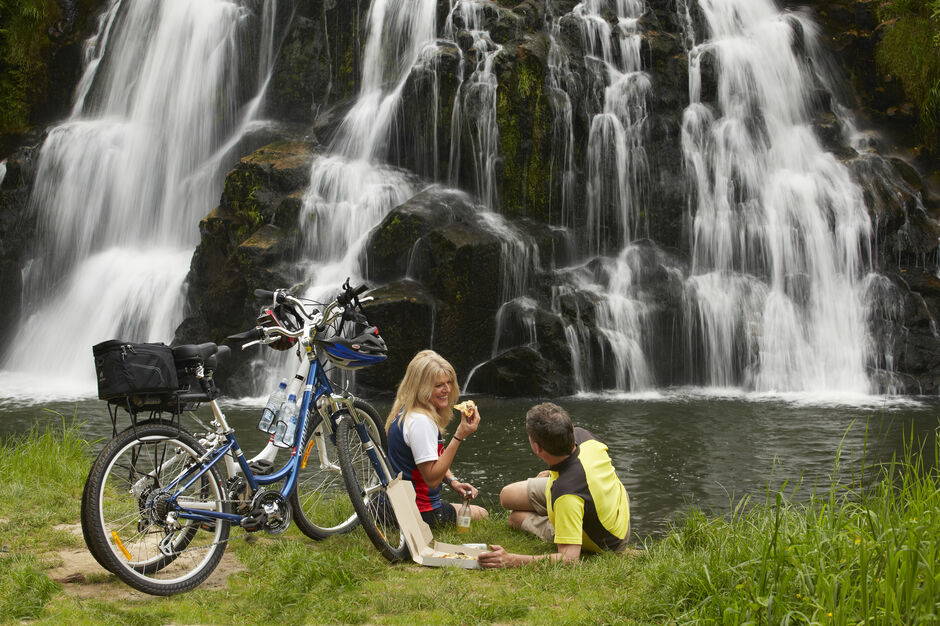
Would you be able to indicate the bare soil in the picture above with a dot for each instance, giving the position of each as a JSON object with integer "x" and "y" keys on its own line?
{"x": 81, "y": 576}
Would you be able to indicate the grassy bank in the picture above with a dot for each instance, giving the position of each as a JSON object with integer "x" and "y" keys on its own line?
{"x": 845, "y": 557}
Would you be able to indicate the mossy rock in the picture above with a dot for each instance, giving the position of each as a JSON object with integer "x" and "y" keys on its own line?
{"x": 525, "y": 119}
{"x": 249, "y": 240}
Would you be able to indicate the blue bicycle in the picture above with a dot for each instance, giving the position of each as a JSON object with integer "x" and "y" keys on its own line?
{"x": 160, "y": 502}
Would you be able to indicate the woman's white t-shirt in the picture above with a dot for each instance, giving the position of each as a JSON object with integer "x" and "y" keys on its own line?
{"x": 421, "y": 435}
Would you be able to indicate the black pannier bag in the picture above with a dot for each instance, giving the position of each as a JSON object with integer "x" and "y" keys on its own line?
{"x": 130, "y": 369}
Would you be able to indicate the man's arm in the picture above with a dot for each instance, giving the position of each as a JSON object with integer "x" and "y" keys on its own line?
{"x": 498, "y": 557}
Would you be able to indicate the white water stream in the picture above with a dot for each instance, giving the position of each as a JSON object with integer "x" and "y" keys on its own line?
{"x": 122, "y": 183}
{"x": 780, "y": 230}
{"x": 351, "y": 189}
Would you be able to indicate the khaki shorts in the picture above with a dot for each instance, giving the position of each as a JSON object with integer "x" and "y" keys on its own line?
{"x": 538, "y": 523}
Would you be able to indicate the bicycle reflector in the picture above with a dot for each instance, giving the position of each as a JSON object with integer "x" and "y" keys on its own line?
{"x": 367, "y": 348}
{"x": 280, "y": 316}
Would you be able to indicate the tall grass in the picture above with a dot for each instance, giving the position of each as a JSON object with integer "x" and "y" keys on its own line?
{"x": 41, "y": 474}
{"x": 848, "y": 556}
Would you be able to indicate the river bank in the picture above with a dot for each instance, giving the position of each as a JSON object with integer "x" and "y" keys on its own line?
{"x": 844, "y": 556}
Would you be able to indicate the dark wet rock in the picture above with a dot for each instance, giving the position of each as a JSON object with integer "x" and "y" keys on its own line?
{"x": 391, "y": 246}
{"x": 519, "y": 372}
{"x": 17, "y": 228}
{"x": 319, "y": 62}
{"x": 428, "y": 94}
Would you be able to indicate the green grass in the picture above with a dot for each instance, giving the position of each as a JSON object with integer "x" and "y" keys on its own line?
{"x": 846, "y": 556}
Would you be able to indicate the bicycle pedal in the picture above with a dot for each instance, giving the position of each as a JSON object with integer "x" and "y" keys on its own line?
{"x": 254, "y": 521}
{"x": 260, "y": 467}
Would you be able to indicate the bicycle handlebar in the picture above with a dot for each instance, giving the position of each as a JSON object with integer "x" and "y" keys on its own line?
{"x": 319, "y": 320}
{"x": 350, "y": 294}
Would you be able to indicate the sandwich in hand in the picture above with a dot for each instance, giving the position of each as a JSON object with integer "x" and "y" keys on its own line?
{"x": 468, "y": 408}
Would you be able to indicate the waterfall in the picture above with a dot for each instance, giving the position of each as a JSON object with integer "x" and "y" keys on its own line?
{"x": 475, "y": 103}
{"x": 351, "y": 188}
{"x": 615, "y": 92}
{"x": 561, "y": 80}
{"x": 616, "y": 160}
{"x": 3, "y": 171}
{"x": 780, "y": 232}
{"x": 121, "y": 184}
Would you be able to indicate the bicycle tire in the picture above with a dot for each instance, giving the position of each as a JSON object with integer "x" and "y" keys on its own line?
{"x": 87, "y": 503}
{"x": 125, "y": 523}
{"x": 320, "y": 502}
{"x": 368, "y": 493}
{"x": 85, "y": 518}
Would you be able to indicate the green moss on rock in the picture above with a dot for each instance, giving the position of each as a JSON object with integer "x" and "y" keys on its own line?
{"x": 525, "y": 120}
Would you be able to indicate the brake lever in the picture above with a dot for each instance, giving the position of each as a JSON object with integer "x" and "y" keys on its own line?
{"x": 251, "y": 343}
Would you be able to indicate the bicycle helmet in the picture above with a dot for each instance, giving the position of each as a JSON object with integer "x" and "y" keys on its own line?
{"x": 363, "y": 350}
{"x": 282, "y": 316}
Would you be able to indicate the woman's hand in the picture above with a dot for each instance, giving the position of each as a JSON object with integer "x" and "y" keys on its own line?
{"x": 467, "y": 427}
{"x": 465, "y": 489}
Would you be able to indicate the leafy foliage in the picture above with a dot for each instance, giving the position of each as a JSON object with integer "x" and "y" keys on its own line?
{"x": 910, "y": 50}
{"x": 23, "y": 38}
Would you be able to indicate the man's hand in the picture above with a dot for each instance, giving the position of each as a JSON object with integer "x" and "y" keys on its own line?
{"x": 495, "y": 558}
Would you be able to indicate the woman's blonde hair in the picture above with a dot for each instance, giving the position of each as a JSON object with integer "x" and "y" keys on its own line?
{"x": 417, "y": 385}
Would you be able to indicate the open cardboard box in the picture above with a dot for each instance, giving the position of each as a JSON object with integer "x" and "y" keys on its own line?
{"x": 418, "y": 534}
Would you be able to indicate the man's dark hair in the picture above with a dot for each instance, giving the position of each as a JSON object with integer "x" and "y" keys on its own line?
{"x": 550, "y": 426}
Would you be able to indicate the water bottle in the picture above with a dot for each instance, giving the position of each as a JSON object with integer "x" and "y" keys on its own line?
{"x": 266, "y": 425}
{"x": 287, "y": 423}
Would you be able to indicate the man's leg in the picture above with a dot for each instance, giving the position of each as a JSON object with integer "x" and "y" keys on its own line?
{"x": 526, "y": 500}
{"x": 514, "y": 497}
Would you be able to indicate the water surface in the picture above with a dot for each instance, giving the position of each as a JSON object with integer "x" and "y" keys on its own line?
{"x": 671, "y": 450}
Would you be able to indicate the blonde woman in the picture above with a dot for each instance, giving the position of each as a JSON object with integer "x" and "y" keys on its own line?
{"x": 415, "y": 425}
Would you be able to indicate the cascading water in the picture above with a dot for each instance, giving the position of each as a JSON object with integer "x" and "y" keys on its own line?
{"x": 778, "y": 289}
{"x": 780, "y": 230}
{"x": 475, "y": 103}
{"x": 121, "y": 184}
{"x": 616, "y": 161}
{"x": 616, "y": 173}
{"x": 351, "y": 190}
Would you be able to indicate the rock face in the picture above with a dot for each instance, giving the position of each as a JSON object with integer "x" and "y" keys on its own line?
{"x": 496, "y": 293}
{"x": 17, "y": 225}
{"x": 246, "y": 241}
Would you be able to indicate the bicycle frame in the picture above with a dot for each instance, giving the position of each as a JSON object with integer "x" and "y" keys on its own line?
{"x": 317, "y": 387}
{"x": 222, "y": 445}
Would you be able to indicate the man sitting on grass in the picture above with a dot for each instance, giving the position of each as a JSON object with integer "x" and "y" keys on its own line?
{"x": 578, "y": 503}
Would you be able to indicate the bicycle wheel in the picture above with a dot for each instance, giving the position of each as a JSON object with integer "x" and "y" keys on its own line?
{"x": 88, "y": 505}
{"x": 128, "y": 513}
{"x": 320, "y": 502}
{"x": 368, "y": 493}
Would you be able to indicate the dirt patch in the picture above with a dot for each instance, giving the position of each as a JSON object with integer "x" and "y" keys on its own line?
{"x": 81, "y": 576}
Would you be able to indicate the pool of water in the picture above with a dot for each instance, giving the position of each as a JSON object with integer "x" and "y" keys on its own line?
{"x": 671, "y": 449}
